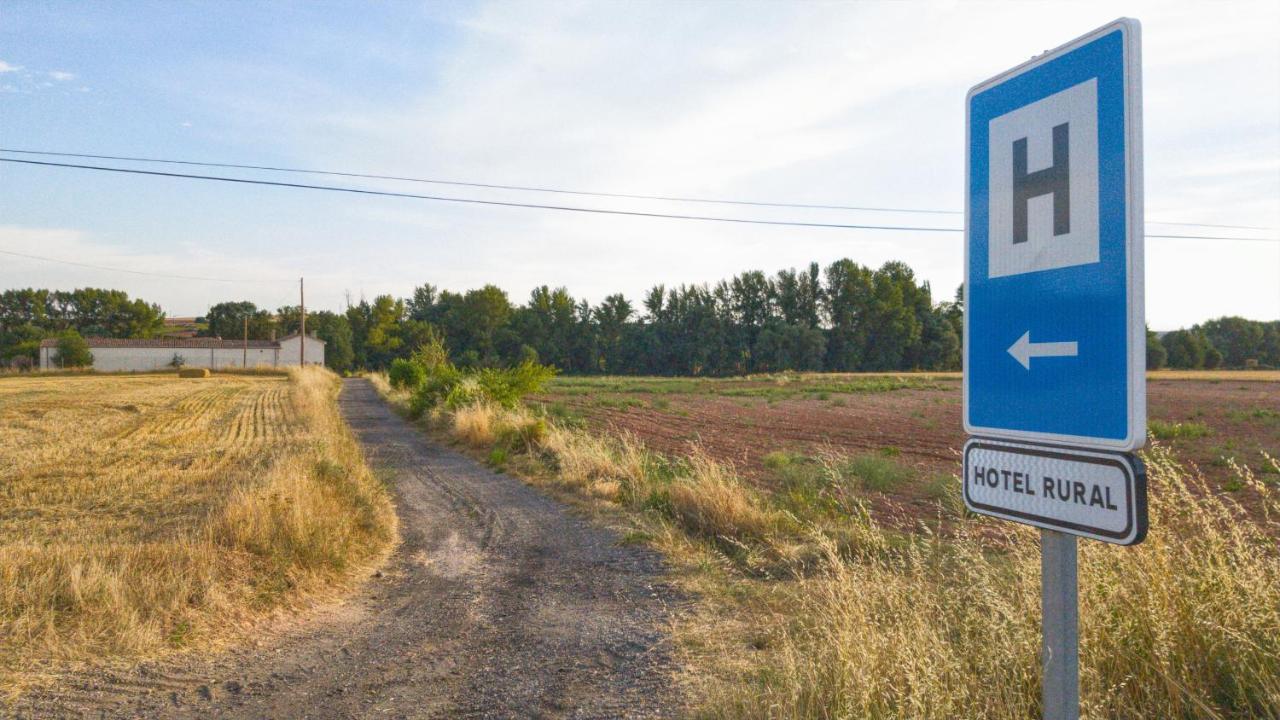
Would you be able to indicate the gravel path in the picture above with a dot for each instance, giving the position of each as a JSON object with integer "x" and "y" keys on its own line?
{"x": 499, "y": 604}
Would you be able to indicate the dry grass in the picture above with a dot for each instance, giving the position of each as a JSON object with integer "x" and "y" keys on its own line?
{"x": 476, "y": 425}
{"x": 1186, "y": 625}
{"x": 143, "y": 514}
{"x": 1245, "y": 375}
{"x": 811, "y": 609}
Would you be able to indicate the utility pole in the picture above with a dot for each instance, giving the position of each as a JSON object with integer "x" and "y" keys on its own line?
{"x": 302, "y": 332}
{"x": 245, "y": 362}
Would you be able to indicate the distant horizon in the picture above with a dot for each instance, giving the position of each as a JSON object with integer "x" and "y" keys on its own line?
{"x": 519, "y": 301}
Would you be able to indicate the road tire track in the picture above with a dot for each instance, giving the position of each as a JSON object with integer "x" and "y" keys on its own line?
{"x": 499, "y": 603}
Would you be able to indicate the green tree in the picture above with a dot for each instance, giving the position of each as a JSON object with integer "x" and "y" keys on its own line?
{"x": 611, "y": 320}
{"x": 423, "y": 304}
{"x": 939, "y": 347}
{"x": 472, "y": 322}
{"x": 335, "y": 331}
{"x": 798, "y": 296}
{"x": 780, "y": 346}
{"x": 73, "y": 350}
{"x": 28, "y": 315}
{"x": 1156, "y": 354}
{"x": 383, "y": 341}
{"x": 549, "y": 323}
{"x": 848, "y": 296}
{"x": 895, "y": 323}
{"x": 227, "y": 320}
{"x": 1237, "y": 338}
{"x": 1270, "y": 352}
{"x": 1185, "y": 349}
{"x": 1212, "y": 358}
{"x": 954, "y": 313}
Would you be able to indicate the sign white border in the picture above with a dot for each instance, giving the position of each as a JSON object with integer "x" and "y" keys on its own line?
{"x": 1129, "y": 465}
{"x": 1136, "y": 437}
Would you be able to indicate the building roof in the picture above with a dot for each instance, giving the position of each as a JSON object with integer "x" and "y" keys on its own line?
{"x": 198, "y": 343}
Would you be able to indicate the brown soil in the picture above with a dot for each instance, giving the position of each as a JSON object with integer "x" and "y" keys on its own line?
{"x": 919, "y": 427}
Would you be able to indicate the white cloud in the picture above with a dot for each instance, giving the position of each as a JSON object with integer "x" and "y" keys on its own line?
{"x": 61, "y": 75}
{"x": 7, "y": 68}
{"x": 856, "y": 104}
{"x": 248, "y": 276}
{"x": 852, "y": 104}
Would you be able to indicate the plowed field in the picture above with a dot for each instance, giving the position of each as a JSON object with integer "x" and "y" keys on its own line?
{"x": 1211, "y": 420}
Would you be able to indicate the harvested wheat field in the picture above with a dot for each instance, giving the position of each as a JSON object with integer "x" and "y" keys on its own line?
{"x": 141, "y": 515}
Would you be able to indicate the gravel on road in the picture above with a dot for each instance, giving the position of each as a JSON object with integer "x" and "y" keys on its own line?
{"x": 499, "y": 603}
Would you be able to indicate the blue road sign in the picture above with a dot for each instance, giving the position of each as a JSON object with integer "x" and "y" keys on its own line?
{"x": 1054, "y": 342}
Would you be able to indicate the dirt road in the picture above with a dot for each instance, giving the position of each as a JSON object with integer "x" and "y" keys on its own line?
{"x": 498, "y": 604}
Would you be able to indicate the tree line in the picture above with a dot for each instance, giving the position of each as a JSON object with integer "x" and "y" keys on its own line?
{"x": 28, "y": 316}
{"x": 844, "y": 317}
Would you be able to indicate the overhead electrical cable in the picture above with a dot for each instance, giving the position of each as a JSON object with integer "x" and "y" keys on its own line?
{"x": 539, "y": 206}
{"x": 531, "y": 188}
{"x": 489, "y": 186}
{"x": 477, "y": 201}
{"x": 123, "y": 270}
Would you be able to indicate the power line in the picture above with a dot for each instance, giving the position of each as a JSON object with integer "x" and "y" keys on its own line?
{"x": 562, "y": 191}
{"x": 116, "y": 269}
{"x": 477, "y": 201}
{"x": 490, "y": 186}
{"x": 562, "y": 208}
{"x": 1211, "y": 225}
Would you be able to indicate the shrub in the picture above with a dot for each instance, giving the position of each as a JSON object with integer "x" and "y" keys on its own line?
{"x": 522, "y": 432}
{"x": 778, "y": 459}
{"x": 498, "y": 457}
{"x": 73, "y": 351}
{"x": 1161, "y": 430}
{"x": 406, "y": 374}
{"x": 454, "y": 389}
{"x": 507, "y": 386}
{"x": 432, "y": 353}
{"x": 433, "y": 390}
{"x": 465, "y": 393}
{"x": 876, "y": 472}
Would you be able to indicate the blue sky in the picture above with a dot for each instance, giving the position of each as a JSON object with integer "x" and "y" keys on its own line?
{"x": 856, "y": 104}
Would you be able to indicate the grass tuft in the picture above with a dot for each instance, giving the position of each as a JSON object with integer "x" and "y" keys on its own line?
{"x": 1162, "y": 430}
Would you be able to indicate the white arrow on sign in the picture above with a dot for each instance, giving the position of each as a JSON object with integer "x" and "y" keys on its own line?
{"x": 1023, "y": 350}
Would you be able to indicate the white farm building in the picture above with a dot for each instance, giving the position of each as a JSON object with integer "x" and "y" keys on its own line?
{"x": 141, "y": 355}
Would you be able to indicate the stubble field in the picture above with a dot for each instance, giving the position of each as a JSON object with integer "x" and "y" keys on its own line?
{"x": 146, "y": 514}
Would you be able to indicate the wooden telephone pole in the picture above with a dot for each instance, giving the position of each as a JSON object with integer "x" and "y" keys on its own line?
{"x": 245, "y": 362}
{"x": 302, "y": 332}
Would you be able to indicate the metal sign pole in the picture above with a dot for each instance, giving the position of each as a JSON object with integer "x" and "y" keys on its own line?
{"x": 1060, "y": 646}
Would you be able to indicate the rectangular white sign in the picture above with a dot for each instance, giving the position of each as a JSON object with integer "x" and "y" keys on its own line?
{"x": 1093, "y": 494}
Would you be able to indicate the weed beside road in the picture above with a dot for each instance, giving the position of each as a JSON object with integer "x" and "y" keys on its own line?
{"x": 811, "y": 607}
{"x": 145, "y": 514}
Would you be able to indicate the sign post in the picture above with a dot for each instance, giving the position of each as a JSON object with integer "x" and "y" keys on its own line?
{"x": 1055, "y": 339}
{"x": 1060, "y": 648}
